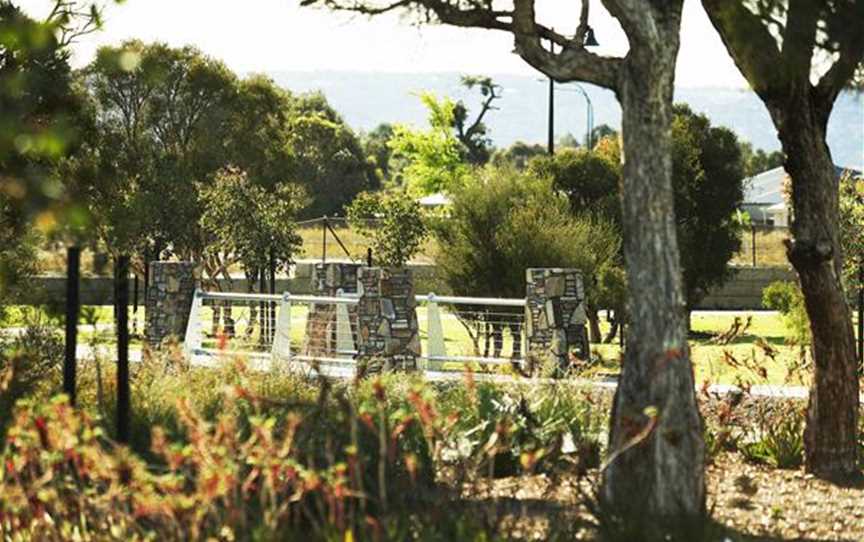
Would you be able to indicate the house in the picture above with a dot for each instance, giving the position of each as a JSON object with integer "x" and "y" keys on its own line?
{"x": 764, "y": 198}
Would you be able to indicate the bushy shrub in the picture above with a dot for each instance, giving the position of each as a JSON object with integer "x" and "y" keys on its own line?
{"x": 777, "y": 440}
{"x": 787, "y": 298}
{"x": 29, "y": 362}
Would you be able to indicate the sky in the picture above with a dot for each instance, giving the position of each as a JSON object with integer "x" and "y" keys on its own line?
{"x": 278, "y": 35}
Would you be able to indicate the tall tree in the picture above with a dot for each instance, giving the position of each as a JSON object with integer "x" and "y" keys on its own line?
{"x": 655, "y": 476}
{"x": 329, "y": 161}
{"x": 162, "y": 116}
{"x": 473, "y": 134}
{"x": 798, "y": 57}
{"x": 41, "y": 121}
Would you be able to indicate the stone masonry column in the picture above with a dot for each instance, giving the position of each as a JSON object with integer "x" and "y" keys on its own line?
{"x": 323, "y": 333}
{"x": 169, "y": 300}
{"x": 555, "y": 316}
{"x": 389, "y": 338}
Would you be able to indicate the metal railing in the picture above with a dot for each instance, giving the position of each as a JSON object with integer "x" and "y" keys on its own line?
{"x": 304, "y": 329}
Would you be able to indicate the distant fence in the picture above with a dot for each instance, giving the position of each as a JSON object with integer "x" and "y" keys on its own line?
{"x": 762, "y": 246}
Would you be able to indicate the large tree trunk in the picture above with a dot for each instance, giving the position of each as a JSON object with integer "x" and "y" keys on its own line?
{"x": 832, "y": 415}
{"x": 655, "y": 474}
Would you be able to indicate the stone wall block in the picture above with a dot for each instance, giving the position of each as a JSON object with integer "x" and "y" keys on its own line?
{"x": 387, "y": 308}
{"x": 555, "y": 315}
{"x": 169, "y": 300}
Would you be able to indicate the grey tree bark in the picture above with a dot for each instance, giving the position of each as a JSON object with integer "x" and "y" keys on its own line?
{"x": 781, "y": 72}
{"x": 656, "y": 429}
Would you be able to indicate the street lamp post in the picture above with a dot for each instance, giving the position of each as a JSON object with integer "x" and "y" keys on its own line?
{"x": 590, "y": 41}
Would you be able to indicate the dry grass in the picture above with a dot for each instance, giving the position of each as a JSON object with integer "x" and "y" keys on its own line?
{"x": 770, "y": 250}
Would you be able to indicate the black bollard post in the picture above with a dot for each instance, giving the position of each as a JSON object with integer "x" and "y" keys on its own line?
{"x": 121, "y": 297}
{"x": 73, "y": 301}
{"x": 324, "y": 240}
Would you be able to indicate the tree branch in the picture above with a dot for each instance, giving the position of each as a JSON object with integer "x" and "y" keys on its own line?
{"x": 573, "y": 63}
{"x": 851, "y": 56}
{"x": 799, "y": 39}
{"x": 752, "y": 47}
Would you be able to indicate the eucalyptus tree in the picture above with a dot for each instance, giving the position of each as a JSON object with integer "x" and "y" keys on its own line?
{"x": 328, "y": 157}
{"x": 473, "y": 133}
{"x": 655, "y": 473}
{"x": 798, "y": 57}
{"x": 162, "y": 116}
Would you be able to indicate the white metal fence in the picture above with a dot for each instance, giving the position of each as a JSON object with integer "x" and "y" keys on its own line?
{"x": 302, "y": 330}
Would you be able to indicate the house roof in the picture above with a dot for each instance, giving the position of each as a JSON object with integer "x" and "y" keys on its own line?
{"x": 767, "y": 187}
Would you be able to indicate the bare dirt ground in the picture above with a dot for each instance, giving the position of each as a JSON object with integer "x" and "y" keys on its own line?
{"x": 747, "y": 503}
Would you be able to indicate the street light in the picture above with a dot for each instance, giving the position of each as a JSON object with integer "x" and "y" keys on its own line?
{"x": 590, "y": 41}
{"x": 589, "y": 114}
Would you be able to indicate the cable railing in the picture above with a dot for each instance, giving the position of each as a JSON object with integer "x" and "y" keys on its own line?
{"x": 294, "y": 331}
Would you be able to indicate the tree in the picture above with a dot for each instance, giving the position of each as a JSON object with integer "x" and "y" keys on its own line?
{"x": 162, "y": 117}
{"x": 659, "y": 483}
{"x": 329, "y": 161}
{"x": 248, "y": 224}
{"x": 758, "y": 161}
{"x": 377, "y": 149}
{"x": 780, "y": 47}
{"x": 589, "y": 180}
{"x": 394, "y": 223}
{"x": 518, "y": 154}
{"x": 434, "y": 160}
{"x": 708, "y": 183}
{"x": 502, "y": 222}
{"x": 41, "y": 119}
{"x": 473, "y": 135}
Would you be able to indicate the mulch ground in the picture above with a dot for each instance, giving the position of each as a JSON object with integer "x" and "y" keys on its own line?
{"x": 748, "y": 503}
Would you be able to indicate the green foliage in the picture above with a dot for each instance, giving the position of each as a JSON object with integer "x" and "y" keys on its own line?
{"x": 708, "y": 183}
{"x": 433, "y": 159}
{"x": 779, "y": 444}
{"x": 707, "y": 178}
{"x": 503, "y": 433}
{"x": 161, "y": 119}
{"x": 394, "y": 223}
{"x": 40, "y": 112}
{"x": 759, "y": 161}
{"x": 503, "y": 221}
{"x": 377, "y": 150}
{"x": 851, "y": 225}
{"x": 250, "y": 222}
{"x": 517, "y": 155}
{"x": 589, "y": 179}
{"x": 29, "y": 364}
{"x": 787, "y": 298}
{"x": 328, "y": 159}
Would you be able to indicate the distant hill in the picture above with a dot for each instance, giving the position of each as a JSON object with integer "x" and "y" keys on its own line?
{"x": 368, "y": 99}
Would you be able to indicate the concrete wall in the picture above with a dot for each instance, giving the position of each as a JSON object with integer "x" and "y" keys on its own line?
{"x": 743, "y": 292}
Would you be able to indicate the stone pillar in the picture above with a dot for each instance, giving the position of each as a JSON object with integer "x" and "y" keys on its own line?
{"x": 555, "y": 316}
{"x": 324, "y": 335}
{"x": 329, "y": 278}
{"x": 169, "y": 300}
{"x": 389, "y": 338}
